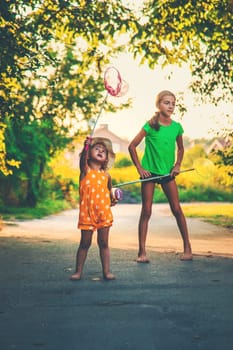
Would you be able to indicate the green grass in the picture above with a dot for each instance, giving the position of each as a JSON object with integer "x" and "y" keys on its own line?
{"x": 216, "y": 213}
{"x": 43, "y": 209}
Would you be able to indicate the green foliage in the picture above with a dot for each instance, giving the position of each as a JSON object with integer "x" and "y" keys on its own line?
{"x": 52, "y": 57}
{"x": 204, "y": 194}
{"x": 217, "y": 214}
{"x": 208, "y": 182}
{"x": 225, "y": 156}
{"x": 195, "y": 152}
{"x": 63, "y": 178}
{"x": 122, "y": 162}
{"x": 5, "y": 164}
{"x": 53, "y": 54}
{"x": 197, "y": 32}
{"x": 42, "y": 209}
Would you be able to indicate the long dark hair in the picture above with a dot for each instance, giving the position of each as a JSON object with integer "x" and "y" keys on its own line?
{"x": 154, "y": 121}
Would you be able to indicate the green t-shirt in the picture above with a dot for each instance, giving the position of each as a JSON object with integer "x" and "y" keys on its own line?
{"x": 160, "y": 146}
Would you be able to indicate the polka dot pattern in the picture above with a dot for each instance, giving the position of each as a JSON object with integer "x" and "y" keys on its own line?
{"x": 94, "y": 208}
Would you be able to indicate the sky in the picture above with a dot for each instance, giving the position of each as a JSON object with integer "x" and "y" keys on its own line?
{"x": 144, "y": 85}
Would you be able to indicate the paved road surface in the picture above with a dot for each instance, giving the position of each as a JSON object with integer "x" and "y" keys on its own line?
{"x": 158, "y": 306}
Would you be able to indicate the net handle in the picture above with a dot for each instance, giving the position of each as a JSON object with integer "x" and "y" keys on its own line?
{"x": 97, "y": 118}
{"x": 151, "y": 178}
{"x": 109, "y": 91}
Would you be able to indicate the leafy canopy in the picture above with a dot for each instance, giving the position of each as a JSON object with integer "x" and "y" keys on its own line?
{"x": 53, "y": 54}
{"x": 193, "y": 31}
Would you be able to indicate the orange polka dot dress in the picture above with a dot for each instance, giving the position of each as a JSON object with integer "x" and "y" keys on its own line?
{"x": 94, "y": 208}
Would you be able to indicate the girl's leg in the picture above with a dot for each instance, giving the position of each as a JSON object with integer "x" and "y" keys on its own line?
{"x": 85, "y": 243}
{"x": 102, "y": 240}
{"x": 170, "y": 190}
{"x": 147, "y": 191}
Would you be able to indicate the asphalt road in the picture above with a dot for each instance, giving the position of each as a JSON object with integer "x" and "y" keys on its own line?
{"x": 158, "y": 306}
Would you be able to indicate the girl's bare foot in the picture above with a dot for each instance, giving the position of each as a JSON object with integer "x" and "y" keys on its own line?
{"x": 76, "y": 276}
{"x": 142, "y": 259}
{"x": 186, "y": 257}
{"x": 187, "y": 254}
{"x": 109, "y": 277}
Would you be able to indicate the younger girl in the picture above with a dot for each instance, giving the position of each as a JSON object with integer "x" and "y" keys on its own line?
{"x": 162, "y": 135}
{"x": 95, "y": 201}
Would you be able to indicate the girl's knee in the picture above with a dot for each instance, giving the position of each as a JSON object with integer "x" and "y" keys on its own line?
{"x": 177, "y": 211}
{"x": 85, "y": 244}
{"x": 103, "y": 244}
{"x": 146, "y": 213}
{"x": 86, "y": 239}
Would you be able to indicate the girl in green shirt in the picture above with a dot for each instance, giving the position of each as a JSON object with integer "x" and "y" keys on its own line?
{"x": 162, "y": 137}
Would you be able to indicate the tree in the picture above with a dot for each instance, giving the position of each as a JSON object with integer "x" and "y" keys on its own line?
{"x": 52, "y": 57}
{"x": 193, "y": 31}
{"x": 52, "y": 63}
{"x": 4, "y": 163}
{"x": 225, "y": 156}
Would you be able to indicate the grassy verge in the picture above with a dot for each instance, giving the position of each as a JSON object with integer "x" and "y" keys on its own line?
{"x": 43, "y": 209}
{"x": 215, "y": 213}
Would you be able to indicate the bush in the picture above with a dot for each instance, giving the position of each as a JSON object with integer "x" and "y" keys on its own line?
{"x": 204, "y": 194}
{"x": 122, "y": 162}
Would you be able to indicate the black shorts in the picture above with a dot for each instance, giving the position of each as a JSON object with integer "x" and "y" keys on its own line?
{"x": 161, "y": 179}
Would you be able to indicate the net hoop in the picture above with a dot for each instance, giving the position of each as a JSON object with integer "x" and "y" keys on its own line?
{"x": 114, "y": 85}
{"x": 124, "y": 88}
{"x": 112, "y": 81}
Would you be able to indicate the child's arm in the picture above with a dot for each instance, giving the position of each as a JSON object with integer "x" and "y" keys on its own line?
{"x": 179, "y": 156}
{"x": 134, "y": 156}
{"x": 112, "y": 198}
{"x": 83, "y": 157}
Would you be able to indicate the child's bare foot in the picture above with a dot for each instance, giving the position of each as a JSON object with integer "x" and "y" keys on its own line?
{"x": 76, "y": 276}
{"x": 186, "y": 257}
{"x": 142, "y": 259}
{"x": 109, "y": 277}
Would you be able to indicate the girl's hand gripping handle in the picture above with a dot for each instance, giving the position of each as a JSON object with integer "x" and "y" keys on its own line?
{"x": 87, "y": 143}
